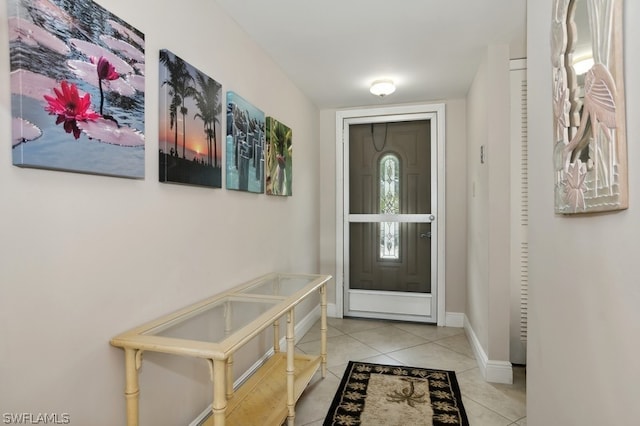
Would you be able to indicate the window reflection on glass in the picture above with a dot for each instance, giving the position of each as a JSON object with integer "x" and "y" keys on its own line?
{"x": 389, "y": 174}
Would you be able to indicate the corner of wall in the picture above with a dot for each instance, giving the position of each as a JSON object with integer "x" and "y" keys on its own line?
{"x": 492, "y": 371}
{"x": 454, "y": 319}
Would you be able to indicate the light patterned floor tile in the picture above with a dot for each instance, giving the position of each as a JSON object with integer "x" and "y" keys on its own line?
{"x": 340, "y": 349}
{"x": 479, "y": 415}
{"x": 458, "y": 343}
{"x": 432, "y": 355}
{"x": 388, "y": 339}
{"x": 314, "y": 333}
{"x": 348, "y": 325}
{"x": 314, "y": 402}
{"x": 429, "y": 331}
{"x": 507, "y": 400}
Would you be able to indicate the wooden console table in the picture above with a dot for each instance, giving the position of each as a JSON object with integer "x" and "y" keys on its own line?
{"x": 215, "y": 328}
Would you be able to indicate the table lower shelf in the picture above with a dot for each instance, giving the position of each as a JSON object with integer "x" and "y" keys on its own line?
{"x": 262, "y": 399}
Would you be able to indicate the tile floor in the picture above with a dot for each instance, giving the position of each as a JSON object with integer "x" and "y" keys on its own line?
{"x": 417, "y": 345}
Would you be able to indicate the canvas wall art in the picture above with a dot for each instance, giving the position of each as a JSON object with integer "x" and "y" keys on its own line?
{"x": 77, "y": 88}
{"x": 190, "y": 124}
{"x": 278, "y": 177}
{"x": 245, "y": 145}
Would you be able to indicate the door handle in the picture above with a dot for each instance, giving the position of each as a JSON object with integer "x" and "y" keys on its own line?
{"x": 425, "y": 234}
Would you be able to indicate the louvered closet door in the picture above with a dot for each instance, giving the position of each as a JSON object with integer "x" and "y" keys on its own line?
{"x": 519, "y": 213}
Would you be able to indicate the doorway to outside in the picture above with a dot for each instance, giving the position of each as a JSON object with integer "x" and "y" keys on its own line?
{"x": 390, "y": 213}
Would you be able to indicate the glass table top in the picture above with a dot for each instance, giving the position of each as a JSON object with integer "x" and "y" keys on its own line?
{"x": 227, "y": 319}
{"x": 216, "y": 321}
{"x": 279, "y": 285}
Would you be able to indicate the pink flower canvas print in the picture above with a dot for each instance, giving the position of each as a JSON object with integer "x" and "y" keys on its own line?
{"x": 77, "y": 88}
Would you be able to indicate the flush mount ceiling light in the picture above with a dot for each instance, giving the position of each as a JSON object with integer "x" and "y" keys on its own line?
{"x": 382, "y": 87}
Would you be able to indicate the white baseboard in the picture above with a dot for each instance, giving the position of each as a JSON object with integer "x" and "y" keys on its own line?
{"x": 454, "y": 319}
{"x": 202, "y": 417}
{"x": 491, "y": 370}
{"x": 332, "y": 310}
{"x": 499, "y": 372}
{"x": 306, "y": 323}
{"x": 301, "y": 328}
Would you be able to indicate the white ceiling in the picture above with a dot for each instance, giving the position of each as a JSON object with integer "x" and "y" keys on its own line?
{"x": 333, "y": 49}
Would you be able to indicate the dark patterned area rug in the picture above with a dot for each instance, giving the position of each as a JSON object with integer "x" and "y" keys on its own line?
{"x": 389, "y": 395}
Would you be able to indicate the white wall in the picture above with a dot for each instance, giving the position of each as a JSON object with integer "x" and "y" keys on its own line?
{"x": 584, "y": 316}
{"x": 456, "y": 204}
{"x": 477, "y": 310}
{"x": 488, "y": 204}
{"x": 498, "y": 159}
{"x": 455, "y": 159}
{"x": 83, "y": 258}
{"x": 328, "y": 172}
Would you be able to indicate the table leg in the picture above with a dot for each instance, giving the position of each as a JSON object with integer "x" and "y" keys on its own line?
{"x": 276, "y": 336}
{"x": 229, "y": 377}
{"x": 291, "y": 399}
{"x": 323, "y": 329}
{"x": 132, "y": 389}
{"x": 228, "y": 329}
{"x": 219, "y": 405}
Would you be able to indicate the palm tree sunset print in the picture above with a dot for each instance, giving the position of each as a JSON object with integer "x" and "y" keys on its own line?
{"x": 77, "y": 88}
{"x": 190, "y": 129}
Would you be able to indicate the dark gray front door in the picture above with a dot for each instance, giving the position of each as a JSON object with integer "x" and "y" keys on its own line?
{"x": 390, "y": 189}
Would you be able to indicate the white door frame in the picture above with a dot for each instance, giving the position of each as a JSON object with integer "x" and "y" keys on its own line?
{"x": 434, "y": 112}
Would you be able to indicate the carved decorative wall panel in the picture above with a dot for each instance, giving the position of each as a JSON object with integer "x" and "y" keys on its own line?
{"x": 590, "y": 154}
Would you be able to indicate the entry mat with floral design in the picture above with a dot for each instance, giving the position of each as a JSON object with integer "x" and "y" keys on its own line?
{"x": 388, "y": 395}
